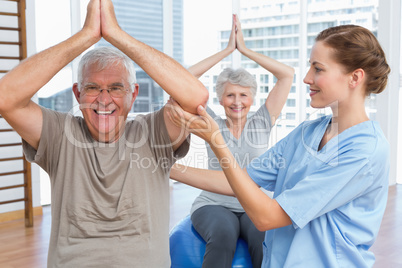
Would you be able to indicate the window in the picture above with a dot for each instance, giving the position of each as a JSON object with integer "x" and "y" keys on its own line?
{"x": 276, "y": 35}
{"x": 290, "y": 116}
{"x": 264, "y": 79}
{"x": 264, "y": 89}
{"x": 291, "y": 103}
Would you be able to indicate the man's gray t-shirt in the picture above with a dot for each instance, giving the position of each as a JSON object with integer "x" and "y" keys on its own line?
{"x": 110, "y": 202}
{"x": 253, "y": 142}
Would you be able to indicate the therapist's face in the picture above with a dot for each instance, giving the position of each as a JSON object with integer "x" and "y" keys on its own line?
{"x": 327, "y": 79}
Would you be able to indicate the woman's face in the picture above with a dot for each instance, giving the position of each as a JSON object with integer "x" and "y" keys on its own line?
{"x": 327, "y": 79}
{"x": 236, "y": 100}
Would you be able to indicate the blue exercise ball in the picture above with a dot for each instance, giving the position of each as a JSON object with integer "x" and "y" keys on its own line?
{"x": 187, "y": 248}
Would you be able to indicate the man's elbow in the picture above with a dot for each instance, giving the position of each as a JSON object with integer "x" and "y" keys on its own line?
{"x": 8, "y": 100}
{"x": 200, "y": 99}
{"x": 201, "y": 94}
{"x": 204, "y": 97}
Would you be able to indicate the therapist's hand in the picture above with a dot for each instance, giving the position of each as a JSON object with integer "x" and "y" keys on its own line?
{"x": 202, "y": 125}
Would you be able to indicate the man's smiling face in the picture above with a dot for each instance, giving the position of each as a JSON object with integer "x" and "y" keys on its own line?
{"x": 105, "y": 115}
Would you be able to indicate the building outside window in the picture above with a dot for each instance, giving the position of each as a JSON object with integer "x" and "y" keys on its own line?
{"x": 275, "y": 30}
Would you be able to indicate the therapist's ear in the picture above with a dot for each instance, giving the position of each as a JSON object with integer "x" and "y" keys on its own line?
{"x": 356, "y": 78}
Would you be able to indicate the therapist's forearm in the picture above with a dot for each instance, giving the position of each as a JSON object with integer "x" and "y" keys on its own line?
{"x": 263, "y": 211}
{"x": 204, "y": 179}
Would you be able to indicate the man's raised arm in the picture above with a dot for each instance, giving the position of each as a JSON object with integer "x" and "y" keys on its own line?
{"x": 186, "y": 89}
{"x": 19, "y": 85}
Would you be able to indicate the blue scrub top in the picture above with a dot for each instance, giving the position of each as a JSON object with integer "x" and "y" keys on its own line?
{"x": 335, "y": 197}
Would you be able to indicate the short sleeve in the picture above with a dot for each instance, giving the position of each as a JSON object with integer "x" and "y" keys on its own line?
{"x": 328, "y": 188}
{"x": 52, "y": 129}
{"x": 159, "y": 139}
{"x": 262, "y": 116}
{"x": 264, "y": 169}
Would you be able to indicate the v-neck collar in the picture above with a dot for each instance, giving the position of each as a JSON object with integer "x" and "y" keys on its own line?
{"x": 231, "y": 134}
{"x": 320, "y": 134}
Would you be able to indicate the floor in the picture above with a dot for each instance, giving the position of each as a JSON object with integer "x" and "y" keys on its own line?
{"x": 27, "y": 247}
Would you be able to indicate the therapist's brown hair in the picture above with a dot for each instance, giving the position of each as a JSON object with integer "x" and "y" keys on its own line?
{"x": 356, "y": 47}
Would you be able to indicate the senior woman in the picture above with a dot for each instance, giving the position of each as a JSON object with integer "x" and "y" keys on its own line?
{"x": 220, "y": 219}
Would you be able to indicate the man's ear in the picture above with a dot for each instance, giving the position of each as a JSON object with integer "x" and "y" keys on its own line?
{"x": 136, "y": 89}
{"x": 77, "y": 92}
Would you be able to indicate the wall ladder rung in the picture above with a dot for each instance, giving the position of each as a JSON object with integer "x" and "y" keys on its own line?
{"x": 11, "y": 144}
{"x": 10, "y": 28}
{"x": 9, "y": 14}
{"x": 9, "y": 43}
{"x": 12, "y": 173}
{"x": 10, "y": 58}
{"x": 11, "y": 158}
{"x": 12, "y": 201}
{"x": 12, "y": 187}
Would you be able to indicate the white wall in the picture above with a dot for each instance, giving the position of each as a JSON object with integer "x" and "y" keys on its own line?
{"x": 389, "y": 35}
{"x": 11, "y": 137}
{"x": 11, "y": 166}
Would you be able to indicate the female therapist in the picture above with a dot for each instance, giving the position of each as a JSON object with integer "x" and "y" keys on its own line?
{"x": 329, "y": 176}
